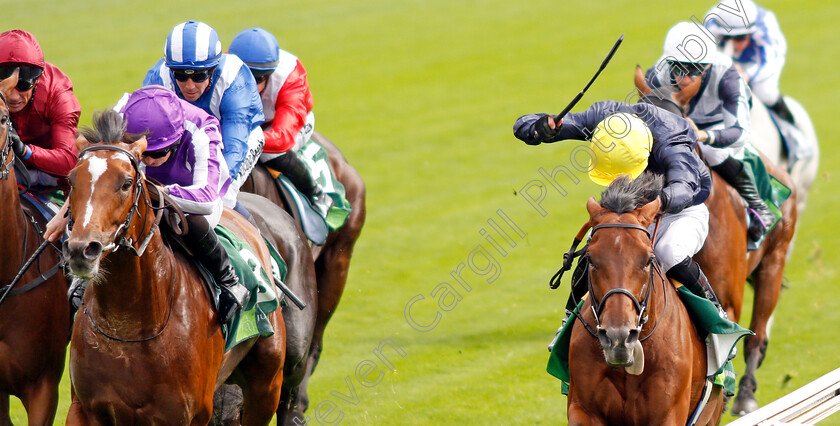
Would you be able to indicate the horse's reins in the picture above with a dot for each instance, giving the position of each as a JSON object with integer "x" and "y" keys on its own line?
{"x": 120, "y": 235}
{"x": 597, "y": 306}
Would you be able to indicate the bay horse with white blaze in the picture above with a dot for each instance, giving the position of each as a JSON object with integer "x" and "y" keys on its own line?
{"x": 34, "y": 324}
{"x": 638, "y": 360}
{"x": 147, "y": 346}
{"x": 725, "y": 259}
{"x": 332, "y": 260}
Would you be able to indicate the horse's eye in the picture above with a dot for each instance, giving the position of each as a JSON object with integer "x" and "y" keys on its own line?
{"x": 4, "y": 120}
{"x": 126, "y": 185}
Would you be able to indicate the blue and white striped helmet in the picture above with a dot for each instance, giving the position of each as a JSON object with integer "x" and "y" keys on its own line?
{"x": 192, "y": 45}
{"x": 256, "y": 47}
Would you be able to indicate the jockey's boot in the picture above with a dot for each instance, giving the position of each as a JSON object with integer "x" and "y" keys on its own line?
{"x": 689, "y": 274}
{"x": 205, "y": 245}
{"x": 781, "y": 108}
{"x": 580, "y": 278}
{"x": 293, "y": 168}
{"x": 761, "y": 218}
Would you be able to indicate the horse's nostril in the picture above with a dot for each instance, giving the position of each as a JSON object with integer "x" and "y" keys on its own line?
{"x": 93, "y": 250}
{"x": 632, "y": 337}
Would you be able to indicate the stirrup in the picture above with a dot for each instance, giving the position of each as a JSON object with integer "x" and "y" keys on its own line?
{"x": 557, "y": 334}
{"x": 231, "y": 300}
{"x": 322, "y": 203}
{"x": 76, "y": 293}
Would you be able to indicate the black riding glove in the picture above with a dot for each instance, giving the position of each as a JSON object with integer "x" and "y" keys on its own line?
{"x": 17, "y": 145}
{"x": 543, "y": 132}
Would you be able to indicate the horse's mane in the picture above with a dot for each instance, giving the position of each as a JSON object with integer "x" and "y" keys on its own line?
{"x": 625, "y": 195}
{"x": 108, "y": 127}
{"x": 663, "y": 103}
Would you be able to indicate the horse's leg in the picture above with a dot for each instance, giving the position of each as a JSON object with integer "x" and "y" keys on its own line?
{"x": 261, "y": 373}
{"x": 768, "y": 284}
{"x": 75, "y": 415}
{"x": 41, "y": 401}
{"x": 5, "y": 420}
{"x": 579, "y": 417}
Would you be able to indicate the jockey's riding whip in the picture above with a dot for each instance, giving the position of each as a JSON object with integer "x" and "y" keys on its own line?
{"x": 23, "y": 269}
{"x": 574, "y": 101}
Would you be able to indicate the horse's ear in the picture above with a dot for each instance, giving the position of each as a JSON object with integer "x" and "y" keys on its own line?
{"x": 593, "y": 207}
{"x": 138, "y": 147}
{"x": 81, "y": 143}
{"x": 7, "y": 84}
{"x": 639, "y": 79}
{"x": 648, "y": 212}
{"x": 684, "y": 96}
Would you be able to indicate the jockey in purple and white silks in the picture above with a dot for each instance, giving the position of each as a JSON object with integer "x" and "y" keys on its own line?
{"x": 184, "y": 152}
{"x": 195, "y": 68}
{"x": 751, "y": 35}
{"x": 720, "y": 110}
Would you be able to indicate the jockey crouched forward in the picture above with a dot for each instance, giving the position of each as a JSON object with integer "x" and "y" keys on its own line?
{"x": 195, "y": 68}
{"x": 643, "y": 137}
{"x": 720, "y": 110}
{"x": 184, "y": 153}
{"x": 287, "y": 106}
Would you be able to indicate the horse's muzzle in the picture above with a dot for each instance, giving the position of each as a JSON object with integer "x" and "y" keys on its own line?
{"x": 82, "y": 257}
{"x": 618, "y": 344}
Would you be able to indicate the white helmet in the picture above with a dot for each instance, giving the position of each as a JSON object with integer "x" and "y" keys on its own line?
{"x": 732, "y": 18}
{"x": 689, "y": 42}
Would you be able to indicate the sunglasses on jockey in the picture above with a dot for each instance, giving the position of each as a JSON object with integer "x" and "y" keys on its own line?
{"x": 690, "y": 69}
{"x": 27, "y": 75}
{"x": 742, "y": 37}
{"x": 261, "y": 75}
{"x": 197, "y": 76}
{"x": 160, "y": 153}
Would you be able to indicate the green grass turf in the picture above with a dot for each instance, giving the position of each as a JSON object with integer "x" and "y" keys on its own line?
{"x": 421, "y": 96}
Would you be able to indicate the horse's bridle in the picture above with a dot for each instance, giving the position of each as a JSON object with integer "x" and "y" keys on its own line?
{"x": 121, "y": 240}
{"x": 5, "y": 166}
{"x": 598, "y": 306}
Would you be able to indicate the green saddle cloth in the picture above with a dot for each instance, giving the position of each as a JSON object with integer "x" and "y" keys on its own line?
{"x": 721, "y": 337}
{"x": 771, "y": 190}
{"x": 252, "y": 320}
{"x": 317, "y": 162}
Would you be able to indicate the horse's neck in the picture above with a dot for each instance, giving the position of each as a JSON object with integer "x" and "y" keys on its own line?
{"x": 136, "y": 291}
{"x": 12, "y": 229}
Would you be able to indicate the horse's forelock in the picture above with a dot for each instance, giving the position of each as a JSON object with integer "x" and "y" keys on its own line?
{"x": 108, "y": 127}
{"x": 625, "y": 195}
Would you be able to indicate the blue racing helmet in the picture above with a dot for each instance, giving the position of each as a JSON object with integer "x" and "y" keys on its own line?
{"x": 258, "y": 48}
{"x": 192, "y": 45}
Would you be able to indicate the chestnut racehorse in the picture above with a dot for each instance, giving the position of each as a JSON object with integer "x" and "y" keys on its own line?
{"x": 34, "y": 325}
{"x": 147, "y": 346}
{"x": 332, "y": 260}
{"x": 638, "y": 360}
{"x": 724, "y": 257}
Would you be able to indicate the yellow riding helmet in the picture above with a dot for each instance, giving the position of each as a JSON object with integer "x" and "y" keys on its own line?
{"x": 622, "y": 143}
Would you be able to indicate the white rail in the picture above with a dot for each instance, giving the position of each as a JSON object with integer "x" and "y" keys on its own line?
{"x": 805, "y": 406}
